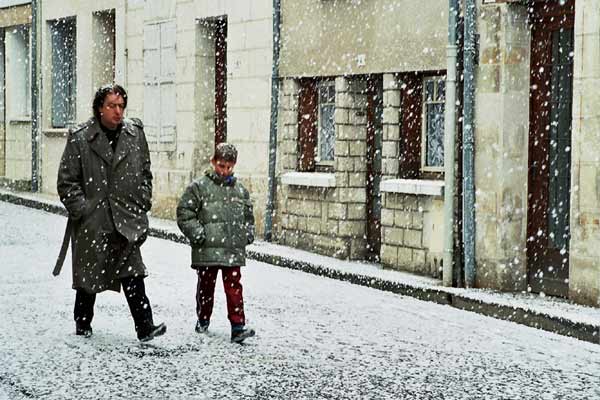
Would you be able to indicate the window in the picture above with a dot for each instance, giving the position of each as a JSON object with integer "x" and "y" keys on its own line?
{"x": 316, "y": 124}
{"x": 432, "y": 154}
{"x": 159, "y": 85}
{"x": 326, "y": 138}
{"x": 64, "y": 77}
{"x": 18, "y": 74}
{"x": 421, "y": 125}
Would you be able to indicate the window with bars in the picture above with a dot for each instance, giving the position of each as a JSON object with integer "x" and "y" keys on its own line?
{"x": 316, "y": 124}
{"x": 432, "y": 154}
{"x": 326, "y": 137}
{"x": 64, "y": 76}
{"x": 421, "y": 125}
{"x": 159, "y": 85}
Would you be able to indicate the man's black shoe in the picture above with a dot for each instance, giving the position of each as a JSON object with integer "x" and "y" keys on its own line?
{"x": 202, "y": 326}
{"x": 154, "y": 331}
{"x": 238, "y": 335}
{"x": 83, "y": 330}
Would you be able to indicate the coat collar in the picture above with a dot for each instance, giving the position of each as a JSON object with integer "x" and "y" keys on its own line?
{"x": 99, "y": 142}
{"x": 220, "y": 180}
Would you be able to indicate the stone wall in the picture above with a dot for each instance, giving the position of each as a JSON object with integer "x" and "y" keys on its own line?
{"x": 502, "y": 127}
{"x": 328, "y": 220}
{"x": 584, "y": 274}
{"x": 412, "y": 229}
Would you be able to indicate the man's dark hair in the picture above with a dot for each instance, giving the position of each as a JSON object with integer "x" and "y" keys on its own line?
{"x": 104, "y": 91}
{"x": 225, "y": 152}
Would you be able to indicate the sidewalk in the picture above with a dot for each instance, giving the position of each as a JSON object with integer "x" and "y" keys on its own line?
{"x": 547, "y": 313}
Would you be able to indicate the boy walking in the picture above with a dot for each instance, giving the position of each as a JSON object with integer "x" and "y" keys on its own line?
{"x": 215, "y": 214}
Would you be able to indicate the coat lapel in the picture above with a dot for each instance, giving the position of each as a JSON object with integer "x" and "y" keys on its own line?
{"x": 124, "y": 144}
{"x": 99, "y": 142}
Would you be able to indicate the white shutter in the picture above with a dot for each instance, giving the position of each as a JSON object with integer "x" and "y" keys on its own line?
{"x": 160, "y": 64}
{"x": 168, "y": 102}
{"x": 168, "y": 56}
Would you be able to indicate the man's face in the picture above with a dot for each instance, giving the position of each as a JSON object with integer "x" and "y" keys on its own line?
{"x": 222, "y": 167}
{"x": 111, "y": 112}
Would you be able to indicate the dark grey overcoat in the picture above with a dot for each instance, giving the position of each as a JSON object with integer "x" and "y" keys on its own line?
{"x": 104, "y": 192}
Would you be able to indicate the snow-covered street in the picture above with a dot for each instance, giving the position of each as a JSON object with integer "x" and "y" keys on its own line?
{"x": 316, "y": 338}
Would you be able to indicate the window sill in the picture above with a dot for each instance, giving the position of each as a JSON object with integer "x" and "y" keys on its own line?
{"x": 413, "y": 186}
{"x": 56, "y": 132}
{"x": 310, "y": 179}
{"x": 19, "y": 120}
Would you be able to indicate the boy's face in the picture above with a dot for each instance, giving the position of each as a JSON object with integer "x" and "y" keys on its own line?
{"x": 222, "y": 167}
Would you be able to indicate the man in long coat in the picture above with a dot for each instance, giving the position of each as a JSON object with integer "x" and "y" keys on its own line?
{"x": 104, "y": 181}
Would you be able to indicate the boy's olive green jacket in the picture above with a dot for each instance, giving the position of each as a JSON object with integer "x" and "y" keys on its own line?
{"x": 215, "y": 214}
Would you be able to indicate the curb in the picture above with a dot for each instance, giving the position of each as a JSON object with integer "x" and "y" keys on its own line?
{"x": 562, "y": 326}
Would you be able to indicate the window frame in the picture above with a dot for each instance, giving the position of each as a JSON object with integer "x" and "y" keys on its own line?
{"x": 436, "y": 79}
{"x": 324, "y": 84}
{"x": 61, "y": 26}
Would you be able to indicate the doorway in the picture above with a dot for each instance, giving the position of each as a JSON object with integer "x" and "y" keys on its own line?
{"x": 373, "y": 157}
{"x": 551, "y": 97}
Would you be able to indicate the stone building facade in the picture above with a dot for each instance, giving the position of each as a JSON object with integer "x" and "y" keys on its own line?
{"x": 166, "y": 54}
{"x": 363, "y": 203}
{"x": 361, "y": 94}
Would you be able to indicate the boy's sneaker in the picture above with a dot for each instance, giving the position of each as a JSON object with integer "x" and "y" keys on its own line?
{"x": 154, "y": 331}
{"x": 241, "y": 333}
{"x": 84, "y": 330}
{"x": 202, "y": 326}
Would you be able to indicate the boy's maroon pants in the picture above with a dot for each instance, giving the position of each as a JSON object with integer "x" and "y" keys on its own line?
{"x": 205, "y": 293}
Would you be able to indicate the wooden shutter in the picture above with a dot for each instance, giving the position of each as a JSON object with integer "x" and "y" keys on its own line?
{"x": 307, "y": 124}
{"x": 410, "y": 125}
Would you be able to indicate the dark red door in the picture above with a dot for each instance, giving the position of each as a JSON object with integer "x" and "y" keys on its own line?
{"x": 308, "y": 99}
{"x": 551, "y": 97}
{"x": 373, "y": 156}
{"x": 221, "y": 81}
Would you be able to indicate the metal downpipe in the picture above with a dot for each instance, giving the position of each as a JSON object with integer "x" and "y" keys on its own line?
{"x": 449, "y": 143}
{"x": 35, "y": 167}
{"x": 468, "y": 143}
{"x": 272, "y": 184}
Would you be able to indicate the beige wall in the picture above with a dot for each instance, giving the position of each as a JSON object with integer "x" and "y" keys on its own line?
{"x": 501, "y": 137}
{"x": 584, "y": 274}
{"x": 18, "y": 150}
{"x": 19, "y": 15}
{"x": 326, "y": 38}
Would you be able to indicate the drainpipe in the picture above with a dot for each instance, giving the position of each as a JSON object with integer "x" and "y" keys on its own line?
{"x": 449, "y": 139}
{"x": 272, "y": 185}
{"x": 35, "y": 168}
{"x": 468, "y": 143}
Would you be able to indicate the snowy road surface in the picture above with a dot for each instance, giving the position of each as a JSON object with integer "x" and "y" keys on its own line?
{"x": 316, "y": 338}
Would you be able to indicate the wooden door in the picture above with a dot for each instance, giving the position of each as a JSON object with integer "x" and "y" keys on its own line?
{"x": 221, "y": 81}
{"x": 308, "y": 99}
{"x": 551, "y": 97}
{"x": 373, "y": 158}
